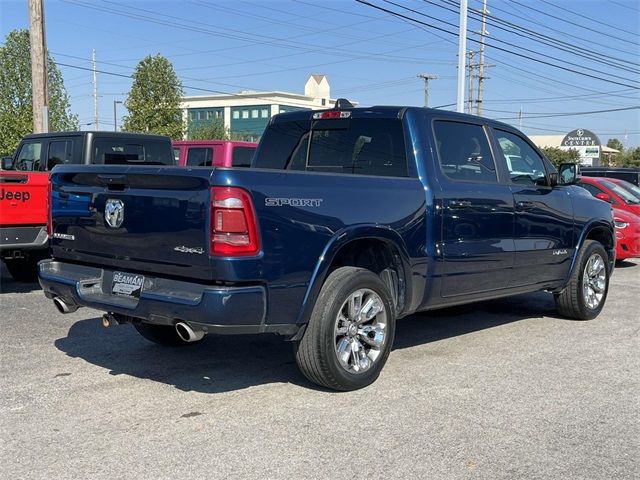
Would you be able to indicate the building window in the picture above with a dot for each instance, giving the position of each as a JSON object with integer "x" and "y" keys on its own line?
{"x": 245, "y": 114}
{"x": 209, "y": 115}
{"x": 324, "y": 101}
{"x": 217, "y": 114}
{"x": 254, "y": 113}
{"x": 201, "y": 115}
{"x": 192, "y": 115}
{"x": 265, "y": 113}
{"x": 236, "y": 114}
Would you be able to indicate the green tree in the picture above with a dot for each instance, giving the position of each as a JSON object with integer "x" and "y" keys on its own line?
{"x": 16, "y": 110}
{"x": 616, "y": 144}
{"x": 154, "y": 99}
{"x": 214, "y": 131}
{"x": 558, "y": 155}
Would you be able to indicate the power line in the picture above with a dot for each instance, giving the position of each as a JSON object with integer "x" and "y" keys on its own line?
{"x": 571, "y": 114}
{"x": 622, "y": 64}
{"x": 598, "y": 21}
{"x": 590, "y": 41}
{"x": 506, "y": 43}
{"x": 569, "y": 22}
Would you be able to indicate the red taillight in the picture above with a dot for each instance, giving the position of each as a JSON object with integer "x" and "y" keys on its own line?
{"x": 49, "y": 208}
{"x": 331, "y": 114}
{"x": 234, "y": 230}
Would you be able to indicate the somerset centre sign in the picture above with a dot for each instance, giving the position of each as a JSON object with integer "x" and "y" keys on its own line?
{"x": 580, "y": 138}
{"x": 586, "y": 143}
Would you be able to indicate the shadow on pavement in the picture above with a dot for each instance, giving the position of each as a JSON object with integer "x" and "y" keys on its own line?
{"x": 234, "y": 362}
{"x": 9, "y": 285}
{"x": 625, "y": 264}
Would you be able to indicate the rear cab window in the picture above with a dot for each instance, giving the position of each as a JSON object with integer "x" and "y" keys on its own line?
{"x": 200, "y": 156}
{"x": 60, "y": 153}
{"x": 242, "y": 156}
{"x": 464, "y": 152}
{"x": 118, "y": 151}
{"x": 359, "y": 146}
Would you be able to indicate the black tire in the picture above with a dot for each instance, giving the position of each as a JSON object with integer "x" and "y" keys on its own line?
{"x": 24, "y": 269}
{"x": 164, "y": 335}
{"x": 570, "y": 302}
{"x": 316, "y": 352}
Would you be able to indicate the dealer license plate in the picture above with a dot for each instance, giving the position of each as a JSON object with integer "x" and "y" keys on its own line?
{"x": 127, "y": 284}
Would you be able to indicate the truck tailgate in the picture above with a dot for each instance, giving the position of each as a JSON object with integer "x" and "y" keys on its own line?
{"x": 148, "y": 219}
{"x": 23, "y": 198}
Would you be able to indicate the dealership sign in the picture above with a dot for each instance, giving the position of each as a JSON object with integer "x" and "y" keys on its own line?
{"x": 580, "y": 138}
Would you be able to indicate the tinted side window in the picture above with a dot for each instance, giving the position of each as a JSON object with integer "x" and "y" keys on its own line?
{"x": 28, "y": 158}
{"x": 60, "y": 152}
{"x": 464, "y": 152}
{"x": 360, "y": 146}
{"x": 199, "y": 156}
{"x": 523, "y": 162}
{"x": 242, "y": 156}
{"x": 592, "y": 189}
{"x": 176, "y": 154}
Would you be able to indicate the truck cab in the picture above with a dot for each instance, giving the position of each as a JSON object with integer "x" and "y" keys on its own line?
{"x": 213, "y": 153}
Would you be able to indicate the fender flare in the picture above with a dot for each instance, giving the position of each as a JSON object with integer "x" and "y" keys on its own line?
{"x": 341, "y": 238}
{"x": 586, "y": 230}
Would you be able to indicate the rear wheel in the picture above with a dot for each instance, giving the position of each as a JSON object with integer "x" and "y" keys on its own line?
{"x": 350, "y": 332}
{"x": 164, "y": 335}
{"x": 586, "y": 293}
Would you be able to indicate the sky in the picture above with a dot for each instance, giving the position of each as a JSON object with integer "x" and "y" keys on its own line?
{"x": 369, "y": 55}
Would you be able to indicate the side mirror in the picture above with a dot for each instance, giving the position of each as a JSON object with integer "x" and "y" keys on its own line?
{"x": 553, "y": 179}
{"x": 603, "y": 196}
{"x": 7, "y": 163}
{"x": 568, "y": 174}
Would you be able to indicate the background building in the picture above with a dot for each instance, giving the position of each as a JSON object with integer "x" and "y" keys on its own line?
{"x": 246, "y": 114}
{"x": 584, "y": 141}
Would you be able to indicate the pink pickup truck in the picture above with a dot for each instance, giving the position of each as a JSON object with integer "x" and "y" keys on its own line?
{"x": 213, "y": 153}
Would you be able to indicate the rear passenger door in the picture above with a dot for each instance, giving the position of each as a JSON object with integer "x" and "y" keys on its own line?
{"x": 544, "y": 215}
{"x": 477, "y": 211}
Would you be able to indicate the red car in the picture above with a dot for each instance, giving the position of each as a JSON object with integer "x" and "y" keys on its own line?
{"x": 626, "y": 211}
{"x": 627, "y": 234}
{"x": 609, "y": 190}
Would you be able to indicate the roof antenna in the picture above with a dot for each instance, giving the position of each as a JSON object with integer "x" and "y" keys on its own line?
{"x": 343, "y": 103}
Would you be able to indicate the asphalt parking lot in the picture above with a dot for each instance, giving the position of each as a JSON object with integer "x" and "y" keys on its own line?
{"x": 502, "y": 389}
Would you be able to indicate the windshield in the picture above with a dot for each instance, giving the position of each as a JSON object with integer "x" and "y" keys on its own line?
{"x": 623, "y": 193}
{"x": 630, "y": 187}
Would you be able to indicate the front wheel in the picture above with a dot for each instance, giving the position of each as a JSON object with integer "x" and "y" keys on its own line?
{"x": 350, "y": 332}
{"x": 584, "y": 296}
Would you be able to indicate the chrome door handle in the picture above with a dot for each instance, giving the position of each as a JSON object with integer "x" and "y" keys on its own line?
{"x": 524, "y": 205}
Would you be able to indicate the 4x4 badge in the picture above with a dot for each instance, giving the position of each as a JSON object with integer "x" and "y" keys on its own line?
{"x": 114, "y": 212}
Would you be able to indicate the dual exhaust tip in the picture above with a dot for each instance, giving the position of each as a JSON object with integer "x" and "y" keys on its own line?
{"x": 64, "y": 306}
{"x": 183, "y": 329}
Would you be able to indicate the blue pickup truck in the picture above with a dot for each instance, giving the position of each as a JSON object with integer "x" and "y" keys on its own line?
{"x": 348, "y": 220}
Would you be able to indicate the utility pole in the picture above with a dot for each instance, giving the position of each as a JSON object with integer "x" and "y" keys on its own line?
{"x": 462, "y": 48}
{"x": 115, "y": 116}
{"x": 95, "y": 91}
{"x": 520, "y": 119}
{"x": 481, "y": 78}
{"x": 426, "y": 77}
{"x": 470, "y": 67}
{"x": 38, "y": 49}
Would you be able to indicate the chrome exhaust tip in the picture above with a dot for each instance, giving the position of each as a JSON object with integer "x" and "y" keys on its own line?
{"x": 186, "y": 333}
{"x": 64, "y": 306}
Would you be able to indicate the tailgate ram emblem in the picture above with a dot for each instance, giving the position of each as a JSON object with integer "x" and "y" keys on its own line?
{"x": 114, "y": 212}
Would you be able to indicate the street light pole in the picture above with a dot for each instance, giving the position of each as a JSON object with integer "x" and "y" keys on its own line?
{"x": 462, "y": 48}
{"x": 115, "y": 115}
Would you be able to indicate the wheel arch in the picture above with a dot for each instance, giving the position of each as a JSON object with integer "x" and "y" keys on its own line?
{"x": 358, "y": 246}
{"x": 602, "y": 232}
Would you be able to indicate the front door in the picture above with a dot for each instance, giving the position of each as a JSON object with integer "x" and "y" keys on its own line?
{"x": 477, "y": 212}
{"x": 544, "y": 215}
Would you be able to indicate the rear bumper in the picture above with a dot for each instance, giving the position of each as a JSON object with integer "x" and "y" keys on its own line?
{"x": 628, "y": 242}
{"x": 22, "y": 238}
{"x": 214, "y": 309}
